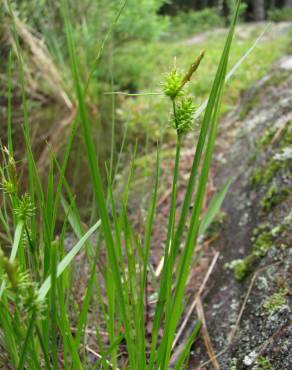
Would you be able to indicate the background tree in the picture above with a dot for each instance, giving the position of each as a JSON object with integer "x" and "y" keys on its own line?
{"x": 259, "y": 10}
{"x": 255, "y": 10}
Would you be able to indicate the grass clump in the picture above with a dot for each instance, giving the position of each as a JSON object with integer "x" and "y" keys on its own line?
{"x": 38, "y": 271}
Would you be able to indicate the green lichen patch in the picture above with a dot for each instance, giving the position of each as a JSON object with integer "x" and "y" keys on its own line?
{"x": 276, "y": 301}
{"x": 274, "y": 196}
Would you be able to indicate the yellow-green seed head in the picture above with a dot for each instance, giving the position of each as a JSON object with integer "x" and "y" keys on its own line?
{"x": 25, "y": 208}
{"x": 172, "y": 84}
{"x": 183, "y": 121}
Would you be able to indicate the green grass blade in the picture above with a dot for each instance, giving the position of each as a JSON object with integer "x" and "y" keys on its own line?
{"x": 8, "y": 333}
{"x": 16, "y": 243}
{"x": 26, "y": 342}
{"x": 214, "y": 207}
{"x": 185, "y": 259}
{"x": 9, "y": 110}
{"x": 86, "y": 301}
{"x": 185, "y": 352}
{"x": 65, "y": 330}
{"x": 46, "y": 286}
{"x": 53, "y": 305}
{"x": 201, "y": 143}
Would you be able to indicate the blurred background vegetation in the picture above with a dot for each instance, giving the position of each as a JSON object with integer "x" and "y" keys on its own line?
{"x": 150, "y": 37}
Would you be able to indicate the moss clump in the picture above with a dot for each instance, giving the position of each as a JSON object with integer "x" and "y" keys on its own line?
{"x": 267, "y": 138}
{"x": 256, "y": 177}
{"x": 265, "y": 175}
{"x": 273, "y": 197}
{"x": 233, "y": 364}
{"x": 262, "y": 242}
{"x": 286, "y": 137}
{"x": 242, "y": 267}
{"x": 263, "y": 363}
{"x": 276, "y": 301}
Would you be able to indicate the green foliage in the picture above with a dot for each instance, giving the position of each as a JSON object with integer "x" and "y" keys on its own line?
{"x": 186, "y": 24}
{"x": 280, "y": 15}
{"x": 231, "y": 4}
{"x": 117, "y": 262}
{"x": 138, "y": 68}
{"x": 140, "y": 19}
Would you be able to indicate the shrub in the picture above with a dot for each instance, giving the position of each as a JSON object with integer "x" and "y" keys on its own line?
{"x": 280, "y": 15}
{"x": 192, "y": 22}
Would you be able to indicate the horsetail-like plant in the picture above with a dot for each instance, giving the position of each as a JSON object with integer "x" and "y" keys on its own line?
{"x": 39, "y": 326}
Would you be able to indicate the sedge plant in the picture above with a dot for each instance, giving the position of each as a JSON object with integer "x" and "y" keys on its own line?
{"x": 37, "y": 304}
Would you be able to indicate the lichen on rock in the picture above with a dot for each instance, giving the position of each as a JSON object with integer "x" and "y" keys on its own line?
{"x": 256, "y": 236}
